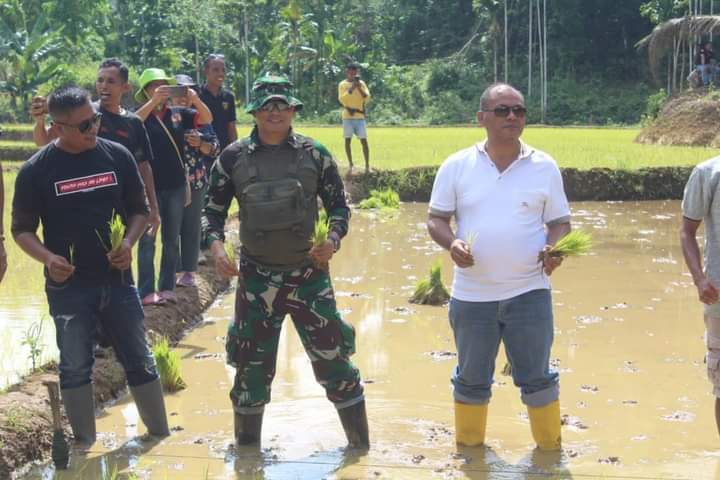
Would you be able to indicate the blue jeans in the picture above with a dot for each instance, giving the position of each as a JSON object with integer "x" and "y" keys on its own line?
{"x": 190, "y": 232}
{"x": 171, "y": 204}
{"x": 706, "y": 71}
{"x": 77, "y": 311}
{"x": 525, "y": 325}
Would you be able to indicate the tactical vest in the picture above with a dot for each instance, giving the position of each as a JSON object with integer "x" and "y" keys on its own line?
{"x": 277, "y": 193}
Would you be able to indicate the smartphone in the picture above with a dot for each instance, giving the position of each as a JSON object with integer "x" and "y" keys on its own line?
{"x": 177, "y": 90}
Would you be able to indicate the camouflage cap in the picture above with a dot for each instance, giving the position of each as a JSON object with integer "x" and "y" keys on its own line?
{"x": 271, "y": 87}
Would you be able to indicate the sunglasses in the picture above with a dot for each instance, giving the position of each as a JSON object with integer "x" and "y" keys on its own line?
{"x": 503, "y": 111}
{"x": 275, "y": 106}
{"x": 85, "y": 125}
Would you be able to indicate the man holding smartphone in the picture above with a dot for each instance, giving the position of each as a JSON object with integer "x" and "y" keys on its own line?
{"x": 354, "y": 95}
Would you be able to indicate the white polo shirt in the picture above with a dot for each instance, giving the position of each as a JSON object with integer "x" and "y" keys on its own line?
{"x": 507, "y": 212}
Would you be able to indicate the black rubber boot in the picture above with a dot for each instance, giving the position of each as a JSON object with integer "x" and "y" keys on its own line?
{"x": 151, "y": 407}
{"x": 355, "y": 424}
{"x": 248, "y": 428}
{"x": 79, "y": 406}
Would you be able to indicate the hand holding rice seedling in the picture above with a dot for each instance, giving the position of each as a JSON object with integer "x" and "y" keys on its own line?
{"x": 574, "y": 243}
{"x": 320, "y": 236}
{"x": 470, "y": 239}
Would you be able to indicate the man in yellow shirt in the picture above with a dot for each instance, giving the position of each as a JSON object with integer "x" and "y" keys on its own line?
{"x": 353, "y": 95}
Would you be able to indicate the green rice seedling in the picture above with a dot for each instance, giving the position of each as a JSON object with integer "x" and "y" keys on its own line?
{"x": 470, "y": 239}
{"x": 576, "y": 242}
{"x": 381, "y": 199}
{"x": 168, "y": 365}
{"x": 431, "y": 291}
{"x": 230, "y": 251}
{"x": 72, "y": 254}
{"x": 322, "y": 229}
{"x": 117, "y": 231}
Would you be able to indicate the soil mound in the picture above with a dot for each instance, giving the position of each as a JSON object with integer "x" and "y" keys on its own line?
{"x": 688, "y": 120}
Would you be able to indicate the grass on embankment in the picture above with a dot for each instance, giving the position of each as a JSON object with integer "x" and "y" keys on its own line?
{"x": 394, "y": 148}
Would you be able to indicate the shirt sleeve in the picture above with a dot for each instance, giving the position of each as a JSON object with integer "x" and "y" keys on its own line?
{"x": 697, "y": 198}
{"x": 143, "y": 150}
{"x": 134, "y": 199}
{"x": 190, "y": 118}
{"x": 557, "y": 208}
{"x": 342, "y": 93}
{"x": 366, "y": 90}
{"x": 219, "y": 198}
{"x": 26, "y": 205}
{"x": 332, "y": 192}
{"x": 443, "y": 199}
{"x": 232, "y": 117}
{"x": 207, "y": 135}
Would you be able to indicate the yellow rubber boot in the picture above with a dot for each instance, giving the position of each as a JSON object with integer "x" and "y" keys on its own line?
{"x": 470, "y": 422}
{"x": 545, "y": 425}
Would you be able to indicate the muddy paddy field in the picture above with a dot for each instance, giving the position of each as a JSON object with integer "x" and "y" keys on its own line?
{"x": 628, "y": 343}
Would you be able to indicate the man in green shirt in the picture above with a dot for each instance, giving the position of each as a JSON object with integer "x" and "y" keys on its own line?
{"x": 277, "y": 176}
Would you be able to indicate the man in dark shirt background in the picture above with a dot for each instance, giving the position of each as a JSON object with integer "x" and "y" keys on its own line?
{"x": 219, "y": 100}
{"x": 74, "y": 186}
{"x": 117, "y": 124}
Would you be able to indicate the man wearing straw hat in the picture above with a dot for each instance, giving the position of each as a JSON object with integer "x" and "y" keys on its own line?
{"x": 277, "y": 176}
{"x": 509, "y": 203}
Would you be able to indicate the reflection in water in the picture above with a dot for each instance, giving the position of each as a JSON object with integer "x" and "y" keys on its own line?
{"x": 628, "y": 344}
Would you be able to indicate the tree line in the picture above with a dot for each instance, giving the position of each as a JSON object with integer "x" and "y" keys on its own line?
{"x": 425, "y": 60}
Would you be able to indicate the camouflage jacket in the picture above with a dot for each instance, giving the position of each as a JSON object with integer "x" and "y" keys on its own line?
{"x": 221, "y": 190}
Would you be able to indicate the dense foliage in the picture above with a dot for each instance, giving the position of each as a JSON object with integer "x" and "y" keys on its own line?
{"x": 426, "y": 60}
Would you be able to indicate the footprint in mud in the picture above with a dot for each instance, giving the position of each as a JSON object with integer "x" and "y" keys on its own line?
{"x": 572, "y": 422}
{"x": 418, "y": 458}
{"x": 629, "y": 366}
{"x": 679, "y": 416}
{"x": 612, "y": 460}
{"x": 440, "y": 355}
{"x": 589, "y": 388}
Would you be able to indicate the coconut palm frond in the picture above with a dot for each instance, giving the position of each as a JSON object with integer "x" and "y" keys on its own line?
{"x": 663, "y": 37}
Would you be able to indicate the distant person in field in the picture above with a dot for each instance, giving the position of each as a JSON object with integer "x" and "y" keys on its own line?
{"x": 700, "y": 203}
{"x": 74, "y": 186}
{"x": 354, "y": 95}
{"x": 705, "y": 63}
{"x": 219, "y": 100}
{"x": 116, "y": 124}
{"x": 509, "y": 198}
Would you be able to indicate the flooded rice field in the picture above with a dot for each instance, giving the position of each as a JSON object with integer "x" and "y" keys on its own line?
{"x": 628, "y": 343}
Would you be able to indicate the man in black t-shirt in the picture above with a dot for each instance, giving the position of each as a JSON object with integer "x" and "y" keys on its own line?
{"x": 219, "y": 100}
{"x": 166, "y": 126}
{"x": 3, "y": 254}
{"x": 117, "y": 124}
{"x": 74, "y": 186}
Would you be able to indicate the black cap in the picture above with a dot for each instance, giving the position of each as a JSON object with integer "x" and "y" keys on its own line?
{"x": 353, "y": 66}
{"x": 183, "y": 79}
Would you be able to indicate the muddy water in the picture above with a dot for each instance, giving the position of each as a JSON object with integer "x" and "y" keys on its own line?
{"x": 628, "y": 345}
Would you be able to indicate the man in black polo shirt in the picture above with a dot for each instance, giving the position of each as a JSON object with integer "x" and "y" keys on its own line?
{"x": 220, "y": 101}
{"x": 3, "y": 254}
{"x": 75, "y": 185}
{"x": 116, "y": 124}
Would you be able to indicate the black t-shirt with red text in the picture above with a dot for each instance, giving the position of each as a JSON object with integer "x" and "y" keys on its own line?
{"x": 126, "y": 129}
{"x": 169, "y": 168}
{"x": 75, "y": 196}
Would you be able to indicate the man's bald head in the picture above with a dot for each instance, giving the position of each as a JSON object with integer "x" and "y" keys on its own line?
{"x": 496, "y": 89}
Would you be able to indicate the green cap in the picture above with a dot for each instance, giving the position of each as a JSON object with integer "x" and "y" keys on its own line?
{"x": 150, "y": 75}
{"x": 271, "y": 87}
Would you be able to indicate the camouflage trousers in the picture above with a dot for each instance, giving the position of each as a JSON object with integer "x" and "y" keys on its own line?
{"x": 263, "y": 299}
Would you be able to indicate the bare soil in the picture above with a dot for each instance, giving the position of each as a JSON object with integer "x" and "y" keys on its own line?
{"x": 25, "y": 418}
{"x": 686, "y": 120}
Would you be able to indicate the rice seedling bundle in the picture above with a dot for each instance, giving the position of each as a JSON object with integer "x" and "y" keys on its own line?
{"x": 574, "y": 243}
{"x": 168, "y": 365}
{"x": 230, "y": 251}
{"x": 322, "y": 229}
{"x": 117, "y": 231}
{"x": 431, "y": 291}
{"x": 381, "y": 199}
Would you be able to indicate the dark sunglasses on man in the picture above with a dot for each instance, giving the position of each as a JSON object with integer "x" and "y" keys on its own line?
{"x": 85, "y": 125}
{"x": 504, "y": 110}
{"x": 279, "y": 106}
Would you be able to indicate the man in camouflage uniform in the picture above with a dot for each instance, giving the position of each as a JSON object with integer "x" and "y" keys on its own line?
{"x": 277, "y": 176}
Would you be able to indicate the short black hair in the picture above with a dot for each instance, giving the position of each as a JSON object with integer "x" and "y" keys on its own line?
{"x": 352, "y": 66}
{"x": 213, "y": 56}
{"x": 116, "y": 63}
{"x": 66, "y": 99}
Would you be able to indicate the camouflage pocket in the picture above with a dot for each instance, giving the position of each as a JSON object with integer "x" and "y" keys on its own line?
{"x": 232, "y": 346}
{"x": 347, "y": 331}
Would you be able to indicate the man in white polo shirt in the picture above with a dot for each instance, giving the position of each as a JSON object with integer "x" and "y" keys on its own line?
{"x": 509, "y": 204}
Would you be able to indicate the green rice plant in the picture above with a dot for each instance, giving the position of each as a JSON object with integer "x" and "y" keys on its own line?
{"x": 31, "y": 338}
{"x": 229, "y": 247}
{"x": 431, "y": 291}
{"x": 381, "y": 199}
{"x": 168, "y": 364}
{"x": 470, "y": 239}
{"x": 576, "y": 242}
{"x": 72, "y": 254}
{"x": 322, "y": 229}
{"x": 117, "y": 231}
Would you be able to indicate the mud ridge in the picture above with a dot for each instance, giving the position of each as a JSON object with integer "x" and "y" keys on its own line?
{"x": 25, "y": 418}
{"x": 597, "y": 184}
